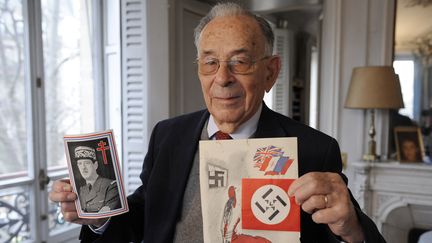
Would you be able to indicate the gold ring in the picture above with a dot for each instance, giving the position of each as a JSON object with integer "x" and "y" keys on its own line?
{"x": 325, "y": 200}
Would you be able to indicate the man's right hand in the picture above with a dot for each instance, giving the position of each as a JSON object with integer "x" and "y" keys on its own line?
{"x": 62, "y": 193}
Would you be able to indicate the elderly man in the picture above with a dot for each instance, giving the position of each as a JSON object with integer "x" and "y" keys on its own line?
{"x": 99, "y": 194}
{"x": 236, "y": 67}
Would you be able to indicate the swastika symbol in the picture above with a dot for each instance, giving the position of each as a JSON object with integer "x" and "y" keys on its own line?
{"x": 216, "y": 178}
{"x": 270, "y": 204}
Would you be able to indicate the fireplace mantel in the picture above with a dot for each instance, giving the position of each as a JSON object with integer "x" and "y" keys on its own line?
{"x": 398, "y": 196}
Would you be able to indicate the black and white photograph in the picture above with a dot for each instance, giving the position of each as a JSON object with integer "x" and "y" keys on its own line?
{"x": 95, "y": 174}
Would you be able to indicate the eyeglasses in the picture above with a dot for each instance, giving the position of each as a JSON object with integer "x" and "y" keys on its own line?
{"x": 208, "y": 66}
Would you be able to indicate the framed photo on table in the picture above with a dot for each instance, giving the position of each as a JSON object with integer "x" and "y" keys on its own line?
{"x": 409, "y": 144}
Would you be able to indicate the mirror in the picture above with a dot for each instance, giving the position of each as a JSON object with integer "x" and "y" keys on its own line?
{"x": 413, "y": 64}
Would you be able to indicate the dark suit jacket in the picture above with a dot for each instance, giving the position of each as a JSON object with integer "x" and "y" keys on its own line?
{"x": 155, "y": 207}
{"x": 103, "y": 193}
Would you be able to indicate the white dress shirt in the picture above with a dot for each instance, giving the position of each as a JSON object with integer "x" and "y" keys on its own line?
{"x": 246, "y": 130}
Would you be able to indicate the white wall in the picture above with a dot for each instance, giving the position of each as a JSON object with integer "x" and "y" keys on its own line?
{"x": 186, "y": 95}
{"x": 158, "y": 36}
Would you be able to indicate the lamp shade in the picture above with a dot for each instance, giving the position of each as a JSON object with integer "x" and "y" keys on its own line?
{"x": 374, "y": 88}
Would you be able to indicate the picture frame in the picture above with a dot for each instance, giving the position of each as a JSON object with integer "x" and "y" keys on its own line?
{"x": 95, "y": 174}
{"x": 409, "y": 144}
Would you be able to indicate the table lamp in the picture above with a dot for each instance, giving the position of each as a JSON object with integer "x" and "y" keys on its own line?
{"x": 374, "y": 87}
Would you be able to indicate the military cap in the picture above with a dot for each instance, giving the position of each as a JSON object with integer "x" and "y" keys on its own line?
{"x": 84, "y": 152}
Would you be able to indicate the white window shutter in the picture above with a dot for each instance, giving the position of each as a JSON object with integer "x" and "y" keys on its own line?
{"x": 134, "y": 90}
{"x": 281, "y": 90}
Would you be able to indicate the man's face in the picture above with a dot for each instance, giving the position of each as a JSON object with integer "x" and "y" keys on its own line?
{"x": 233, "y": 98}
{"x": 87, "y": 168}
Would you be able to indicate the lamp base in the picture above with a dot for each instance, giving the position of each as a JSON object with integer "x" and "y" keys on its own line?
{"x": 370, "y": 158}
{"x": 371, "y": 155}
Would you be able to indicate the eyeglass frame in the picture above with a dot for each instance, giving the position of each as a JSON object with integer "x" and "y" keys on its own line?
{"x": 230, "y": 66}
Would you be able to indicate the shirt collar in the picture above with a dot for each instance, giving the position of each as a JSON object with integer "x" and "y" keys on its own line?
{"x": 246, "y": 130}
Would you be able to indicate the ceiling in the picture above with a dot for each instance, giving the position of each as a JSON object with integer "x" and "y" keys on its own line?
{"x": 272, "y": 6}
{"x": 296, "y": 12}
{"x": 412, "y": 23}
{"x": 413, "y": 17}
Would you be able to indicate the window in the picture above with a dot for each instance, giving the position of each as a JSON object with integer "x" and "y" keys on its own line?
{"x": 69, "y": 96}
{"x": 314, "y": 85}
{"x": 13, "y": 127}
{"x": 47, "y": 89}
{"x": 405, "y": 71}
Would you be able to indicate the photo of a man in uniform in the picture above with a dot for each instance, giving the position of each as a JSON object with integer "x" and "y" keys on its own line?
{"x": 98, "y": 194}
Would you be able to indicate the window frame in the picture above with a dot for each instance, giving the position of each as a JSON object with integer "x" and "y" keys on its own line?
{"x": 36, "y": 125}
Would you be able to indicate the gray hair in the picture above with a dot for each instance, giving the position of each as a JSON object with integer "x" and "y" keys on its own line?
{"x": 233, "y": 9}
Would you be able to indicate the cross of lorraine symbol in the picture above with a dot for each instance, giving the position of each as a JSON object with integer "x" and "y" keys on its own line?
{"x": 102, "y": 149}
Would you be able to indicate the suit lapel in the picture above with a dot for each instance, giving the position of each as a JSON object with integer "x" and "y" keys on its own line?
{"x": 185, "y": 150}
{"x": 174, "y": 159}
{"x": 180, "y": 164}
{"x": 268, "y": 126}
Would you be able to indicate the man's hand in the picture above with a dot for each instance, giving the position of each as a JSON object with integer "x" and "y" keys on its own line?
{"x": 62, "y": 193}
{"x": 325, "y": 196}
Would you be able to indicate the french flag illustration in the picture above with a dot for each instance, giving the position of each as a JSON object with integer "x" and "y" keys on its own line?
{"x": 270, "y": 159}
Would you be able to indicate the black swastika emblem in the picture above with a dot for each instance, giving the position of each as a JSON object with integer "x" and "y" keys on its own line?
{"x": 216, "y": 179}
{"x": 270, "y": 204}
{"x": 217, "y": 176}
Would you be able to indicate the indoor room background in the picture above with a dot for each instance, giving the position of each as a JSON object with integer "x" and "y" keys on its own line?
{"x": 79, "y": 66}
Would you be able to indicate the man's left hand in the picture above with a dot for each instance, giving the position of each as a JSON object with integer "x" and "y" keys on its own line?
{"x": 325, "y": 196}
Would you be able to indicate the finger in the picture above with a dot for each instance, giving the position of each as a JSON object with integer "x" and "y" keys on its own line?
{"x": 302, "y": 181}
{"x": 314, "y": 203}
{"x": 314, "y": 183}
{"x": 62, "y": 186}
{"x": 337, "y": 214}
{"x": 67, "y": 186}
{"x": 71, "y": 217}
{"x": 58, "y": 186}
{"x": 62, "y": 196}
{"x": 321, "y": 216}
{"x": 68, "y": 207}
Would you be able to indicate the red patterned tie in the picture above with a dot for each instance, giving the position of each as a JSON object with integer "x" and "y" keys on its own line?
{"x": 222, "y": 136}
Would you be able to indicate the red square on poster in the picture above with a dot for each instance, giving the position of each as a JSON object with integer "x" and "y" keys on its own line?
{"x": 266, "y": 205}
